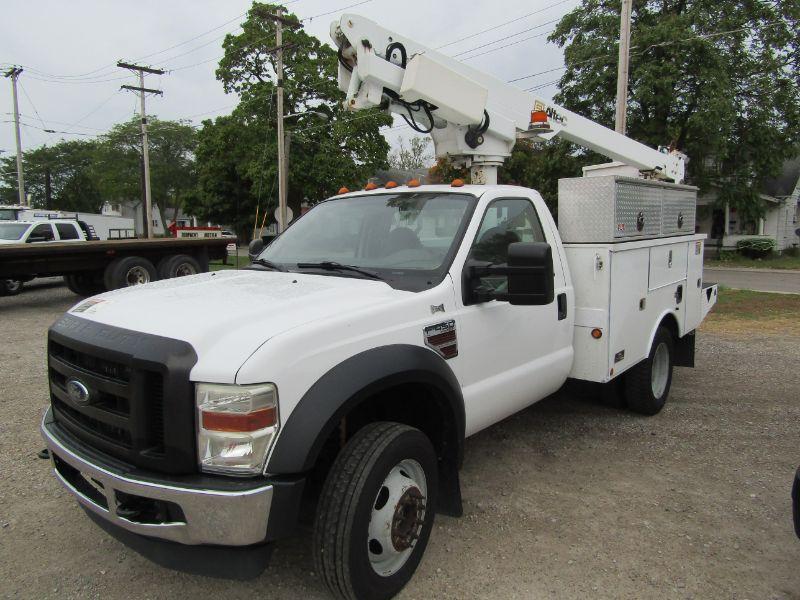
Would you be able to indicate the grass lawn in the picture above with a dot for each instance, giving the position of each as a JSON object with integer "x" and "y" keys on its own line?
{"x": 780, "y": 261}
{"x": 216, "y": 265}
{"x": 743, "y": 312}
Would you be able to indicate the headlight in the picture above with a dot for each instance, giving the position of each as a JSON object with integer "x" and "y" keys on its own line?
{"x": 235, "y": 426}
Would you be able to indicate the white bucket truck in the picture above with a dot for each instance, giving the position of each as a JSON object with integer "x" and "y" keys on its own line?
{"x": 347, "y": 366}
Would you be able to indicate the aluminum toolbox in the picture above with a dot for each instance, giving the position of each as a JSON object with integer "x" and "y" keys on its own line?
{"x": 615, "y": 208}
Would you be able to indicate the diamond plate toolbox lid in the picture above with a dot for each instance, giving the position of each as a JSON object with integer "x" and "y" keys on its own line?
{"x": 615, "y": 208}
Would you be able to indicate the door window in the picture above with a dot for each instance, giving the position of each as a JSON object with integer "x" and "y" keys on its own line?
{"x": 43, "y": 232}
{"x": 506, "y": 221}
{"x": 67, "y": 231}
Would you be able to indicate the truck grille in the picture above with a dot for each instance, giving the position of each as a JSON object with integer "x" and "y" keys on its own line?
{"x": 125, "y": 413}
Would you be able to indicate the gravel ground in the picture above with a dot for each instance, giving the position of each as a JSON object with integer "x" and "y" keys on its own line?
{"x": 567, "y": 499}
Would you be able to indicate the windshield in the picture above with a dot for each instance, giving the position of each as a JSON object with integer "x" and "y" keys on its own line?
{"x": 408, "y": 239}
{"x": 12, "y": 231}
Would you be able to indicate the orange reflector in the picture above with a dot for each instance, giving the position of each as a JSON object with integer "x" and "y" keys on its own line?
{"x": 457, "y": 183}
{"x": 370, "y": 186}
{"x": 390, "y": 184}
{"x": 252, "y": 421}
{"x": 597, "y": 333}
{"x": 344, "y": 190}
{"x": 413, "y": 183}
{"x": 538, "y": 116}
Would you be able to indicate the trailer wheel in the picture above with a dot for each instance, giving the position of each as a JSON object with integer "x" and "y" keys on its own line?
{"x": 128, "y": 271}
{"x": 178, "y": 265}
{"x": 11, "y": 287}
{"x": 647, "y": 384}
{"x": 85, "y": 284}
{"x": 376, "y": 512}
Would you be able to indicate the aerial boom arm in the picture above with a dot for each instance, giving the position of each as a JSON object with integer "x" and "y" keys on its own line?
{"x": 473, "y": 118}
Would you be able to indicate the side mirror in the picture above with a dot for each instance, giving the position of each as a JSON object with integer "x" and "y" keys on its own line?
{"x": 528, "y": 272}
{"x": 255, "y": 248}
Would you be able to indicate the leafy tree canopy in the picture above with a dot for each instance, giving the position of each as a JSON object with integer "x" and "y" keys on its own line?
{"x": 237, "y": 154}
{"x": 717, "y": 79}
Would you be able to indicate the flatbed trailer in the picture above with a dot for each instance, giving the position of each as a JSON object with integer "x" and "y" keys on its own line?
{"x": 92, "y": 267}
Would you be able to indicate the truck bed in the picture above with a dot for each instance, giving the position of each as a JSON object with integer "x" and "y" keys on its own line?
{"x": 61, "y": 258}
{"x": 625, "y": 290}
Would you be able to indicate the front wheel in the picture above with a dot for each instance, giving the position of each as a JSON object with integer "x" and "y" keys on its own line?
{"x": 647, "y": 384}
{"x": 376, "y": 512}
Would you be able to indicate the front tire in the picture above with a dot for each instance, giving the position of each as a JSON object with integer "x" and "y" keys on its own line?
{"x": 647, "y": 384}
{"x": 376, "y": 512}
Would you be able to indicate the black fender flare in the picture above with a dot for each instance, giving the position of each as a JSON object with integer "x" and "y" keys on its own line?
{"x": 353, "y": 381}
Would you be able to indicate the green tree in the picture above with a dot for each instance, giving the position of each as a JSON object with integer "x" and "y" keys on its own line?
{"x": 172, "y": 146}
{"x": 414, "y": 156}
{"x": 56, "y": 177}
{"x": 237, "y": 166}
{"x": 717, "y": 79}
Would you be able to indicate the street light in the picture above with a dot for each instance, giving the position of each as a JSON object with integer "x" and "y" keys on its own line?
{"x": 283, "y": 161}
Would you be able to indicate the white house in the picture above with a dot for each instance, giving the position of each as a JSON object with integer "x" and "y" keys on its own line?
{"x": 780, "y": 222}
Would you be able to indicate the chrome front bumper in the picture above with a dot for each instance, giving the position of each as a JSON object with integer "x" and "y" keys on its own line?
{"x": 225, "y": 518}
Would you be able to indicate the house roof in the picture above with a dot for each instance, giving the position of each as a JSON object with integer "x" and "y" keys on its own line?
{"x": 784, "y": 184}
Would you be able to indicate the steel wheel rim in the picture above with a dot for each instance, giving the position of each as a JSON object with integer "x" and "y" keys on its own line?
{"x": 398, "y": 514}
{"x": 137, "y": 276}
{"x": 185, "y": 269}
{"x": 12, "y": 285}
{"x": 659, "y": 373}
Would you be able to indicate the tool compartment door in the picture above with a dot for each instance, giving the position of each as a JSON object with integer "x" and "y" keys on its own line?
{"x": 668, "y": 265}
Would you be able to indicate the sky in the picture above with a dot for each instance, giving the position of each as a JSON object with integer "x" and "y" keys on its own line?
{"x": 69, "y": 52}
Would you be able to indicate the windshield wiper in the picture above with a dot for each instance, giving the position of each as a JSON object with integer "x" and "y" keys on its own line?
{"x": 335, "y": 266}
{"x": 269, "y": 264}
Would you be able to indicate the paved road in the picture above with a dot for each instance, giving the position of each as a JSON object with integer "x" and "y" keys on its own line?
{"x": 761, "y": 280}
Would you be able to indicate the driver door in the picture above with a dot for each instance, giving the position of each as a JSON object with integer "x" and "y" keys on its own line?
{"x": 511, "y": 356}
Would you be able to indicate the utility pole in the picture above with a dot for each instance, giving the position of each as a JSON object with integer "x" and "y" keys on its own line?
{"x": 148, "y": 200}
{"x": 280, "y": 21}
{"x": 622, "y": 68}
{"x": 281, "y": 140}
{"x": 13, "y": 73}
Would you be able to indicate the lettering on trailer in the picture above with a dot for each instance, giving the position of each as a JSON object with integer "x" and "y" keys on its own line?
{"x": 552, "y": 113}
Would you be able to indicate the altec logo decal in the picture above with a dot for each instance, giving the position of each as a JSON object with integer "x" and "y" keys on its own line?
{"x": 442, "y": 338}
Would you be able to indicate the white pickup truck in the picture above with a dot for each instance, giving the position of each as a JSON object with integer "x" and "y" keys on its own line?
{"x": 32, "y": 232}
{"x": 346, "y": 367}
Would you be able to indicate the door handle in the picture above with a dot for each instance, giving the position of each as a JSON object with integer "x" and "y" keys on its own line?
{"x": 562, "y": 307}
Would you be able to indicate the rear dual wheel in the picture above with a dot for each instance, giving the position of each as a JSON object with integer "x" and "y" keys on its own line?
{"x": 179, "y": 265}
{"x": 376, "y": 512}
{"x": 647, "y": 384}
{"x": 128, "y": 271}
{"x": 85, "y": 284}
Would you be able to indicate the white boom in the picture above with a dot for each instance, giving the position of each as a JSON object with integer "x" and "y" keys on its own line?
{"x": 474, "y": 118}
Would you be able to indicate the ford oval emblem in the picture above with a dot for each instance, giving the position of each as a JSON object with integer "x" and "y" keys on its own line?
{"x": 77, "y": 392}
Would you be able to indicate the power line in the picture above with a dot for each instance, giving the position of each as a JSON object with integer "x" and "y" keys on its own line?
{"x": 514, "y": 43}
{"x": 94, "y": 110}
{"x": 330, "y": 12}
{"x": 482, "y": 31}
{"x": 507, "y": 37}
{"x": 38, "y": 116}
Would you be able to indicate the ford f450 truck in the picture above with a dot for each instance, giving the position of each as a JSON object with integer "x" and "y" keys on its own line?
{"x": 192, "y": 417}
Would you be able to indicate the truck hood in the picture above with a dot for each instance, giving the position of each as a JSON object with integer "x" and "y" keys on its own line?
{"x": 227, "y": 315}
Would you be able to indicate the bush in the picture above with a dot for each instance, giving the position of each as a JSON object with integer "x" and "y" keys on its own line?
{"x": 756, "y": 247}
{"x": 727, "y": 255}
